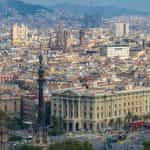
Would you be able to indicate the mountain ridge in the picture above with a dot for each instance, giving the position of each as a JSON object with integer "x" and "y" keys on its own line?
{"x": 105, "y": 11}
{"x": 21, "y": 7}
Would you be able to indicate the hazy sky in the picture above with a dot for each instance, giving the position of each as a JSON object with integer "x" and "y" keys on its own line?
{"x": 132, "y": 4}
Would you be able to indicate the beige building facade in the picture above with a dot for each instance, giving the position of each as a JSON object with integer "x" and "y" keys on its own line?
{"x": 10, "y": 105}
{"x": 20, "y": 35}
{"x": 92, "y": 110}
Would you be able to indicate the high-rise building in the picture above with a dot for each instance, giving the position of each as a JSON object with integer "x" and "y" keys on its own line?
{"x": 63, "y": 39}
{"x": 121, "y": 29}
{"x": 67, "y": 40}
{"x": 20, "y": 35}
{"x": 82, "y": 37}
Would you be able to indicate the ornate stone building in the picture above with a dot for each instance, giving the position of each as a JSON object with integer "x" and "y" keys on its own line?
{"x": 92, "y": 109}
{"x": 10, "y": 104}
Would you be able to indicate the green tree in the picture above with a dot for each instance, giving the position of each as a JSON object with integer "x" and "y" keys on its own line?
{"x": 28, "y": 147}
{"x": 15, "y": 138}
{"x": 57, "y": 124}
{"x": 128, "y": 117}
{"x": 4, "y": 119}
{"x": 10, "y": 123}
{"x": 135, "y": 118}
{"x": 87, "y": 146}
{"x": 146, "y": 145}
{"x": 71, "y": 145}
{"x": 118, "y": 122}
{"x": 15, "y": 124}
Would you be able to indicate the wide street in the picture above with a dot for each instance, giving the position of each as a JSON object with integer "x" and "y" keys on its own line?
{"x": 133, "y": 141}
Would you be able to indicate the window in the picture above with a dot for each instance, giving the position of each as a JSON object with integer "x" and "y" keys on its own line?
{"x": 101, "y": 115}
{"x": 59, "y": 106}
{"x": 136, "y": 109}
{"x": 91, "y": 108}
{"x": 84, "y": 106}
{"x": 115, "y": 113}
{"x": 91, "y": 115}
{"x": 77, "y": 115}
{"x": 146, "y": 108}
{"x": 98, "y": 116}
{"x": 84, "y": 114}
{"x": 15, "y": 106}
{"x": 71, "y": 114}
{"x": 98, "y": 126}
{"x": 119, "y": 112}
{"x": 91, "y": 126}
{"x": 85, "y": 126}
{"x": 97, "y": 108}
{"x": 55, "y": 107}
{"x": 109, "y": 114}
{"x": 59, "y": 113}
{"x": 54, "y": 112}
{"x": 5, "y": 108}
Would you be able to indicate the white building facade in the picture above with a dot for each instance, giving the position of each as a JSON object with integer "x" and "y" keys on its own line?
{"x": 121, "y": 29}
{"x": 121, "y": 51}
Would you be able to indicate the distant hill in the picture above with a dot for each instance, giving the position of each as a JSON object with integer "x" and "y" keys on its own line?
{"x": 10, "y": 6}
{"x": 104, "y": 11}
{"x": 71, "y": 14}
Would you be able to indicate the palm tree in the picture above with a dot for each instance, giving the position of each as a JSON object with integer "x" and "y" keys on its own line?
{"x": 118, "y": 122}
{"x": 135, "y": 118}
{"x": 128, "y": 117}
{"x": 111, "y": 122}
{"x": 146, "y": 117}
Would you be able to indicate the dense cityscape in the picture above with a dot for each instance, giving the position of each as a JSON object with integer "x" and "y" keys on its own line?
{"x": 81, "y": 80}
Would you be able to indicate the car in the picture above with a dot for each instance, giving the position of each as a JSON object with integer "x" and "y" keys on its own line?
{"x": 69, "y": 134}
{"x": 90, "y": 131}
{"x": 112, "y": 139}
{"x": 105, "y": 130}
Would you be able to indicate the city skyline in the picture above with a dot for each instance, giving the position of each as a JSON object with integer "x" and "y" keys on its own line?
{"x": 74, "y": 74}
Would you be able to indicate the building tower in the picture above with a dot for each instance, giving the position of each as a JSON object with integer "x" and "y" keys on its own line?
{"x": 121, "y": 29}
{"x": 82, "y": 37}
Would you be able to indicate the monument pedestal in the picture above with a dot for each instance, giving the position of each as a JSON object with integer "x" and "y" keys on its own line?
{"x": 40, "y": 137}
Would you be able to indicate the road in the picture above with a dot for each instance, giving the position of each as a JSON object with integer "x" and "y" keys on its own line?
{"x": 133, "y": 142}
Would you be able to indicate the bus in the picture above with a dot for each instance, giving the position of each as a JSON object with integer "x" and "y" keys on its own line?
{"x": 137, "y": 124}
